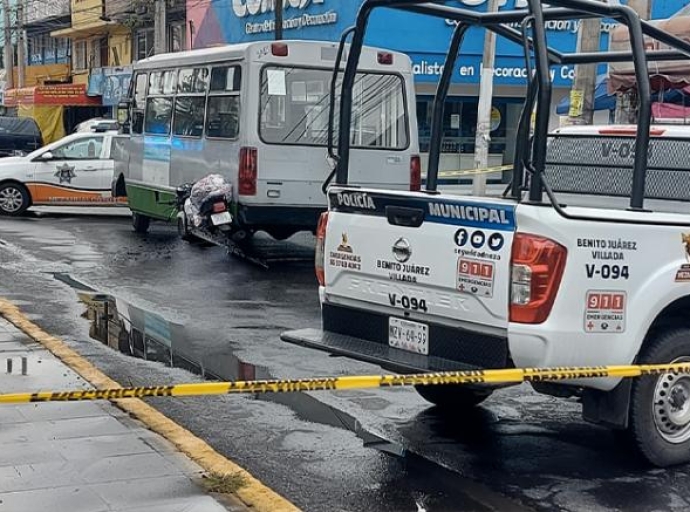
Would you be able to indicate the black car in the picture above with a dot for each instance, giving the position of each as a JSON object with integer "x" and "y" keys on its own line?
{"x": 19, "y": 136}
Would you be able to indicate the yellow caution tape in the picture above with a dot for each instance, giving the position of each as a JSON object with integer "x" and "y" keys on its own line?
{"x": 487, "y": 170}
{"x": 504, "y": 376}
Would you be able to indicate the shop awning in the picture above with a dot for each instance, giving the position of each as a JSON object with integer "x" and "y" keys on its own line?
{"x": 670, "y": 111}
{"x": 662, "y": 75}
{"x": 602, "y": 99}
{"x": 68, "y": 95}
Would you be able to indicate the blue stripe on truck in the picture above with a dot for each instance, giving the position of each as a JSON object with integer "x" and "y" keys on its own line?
{"x": 494, "y": 216}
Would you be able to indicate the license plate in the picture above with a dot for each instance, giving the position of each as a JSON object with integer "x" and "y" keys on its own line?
{"x": 407, "y": 335}
{"x": 221, "y": 218}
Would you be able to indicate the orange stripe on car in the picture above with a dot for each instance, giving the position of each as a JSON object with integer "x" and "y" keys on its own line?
{"x": 42, "y": 193}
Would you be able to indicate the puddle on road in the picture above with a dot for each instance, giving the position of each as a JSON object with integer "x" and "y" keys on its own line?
{"x": 147, "y": 335}
{"x": 140, "y": 333}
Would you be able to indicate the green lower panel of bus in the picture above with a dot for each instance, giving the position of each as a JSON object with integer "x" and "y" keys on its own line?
{"x": 154, "y": 203}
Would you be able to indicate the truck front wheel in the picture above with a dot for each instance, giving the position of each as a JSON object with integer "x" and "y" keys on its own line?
{"x": 452, "y": 396}
{"x": 660, "y": 404}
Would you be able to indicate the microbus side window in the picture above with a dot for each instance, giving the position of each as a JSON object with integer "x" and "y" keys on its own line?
{"x": 193, "y": 80}
{"x": 158, "y": 115}
{"x": 294, "y": 108}
{"x": 139, "y": 102}
{"x": 223, "y": 107}
{"x": 190, "y": 103}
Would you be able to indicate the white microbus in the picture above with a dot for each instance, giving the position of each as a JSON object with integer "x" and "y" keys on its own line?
{"x": 258, "y": 114}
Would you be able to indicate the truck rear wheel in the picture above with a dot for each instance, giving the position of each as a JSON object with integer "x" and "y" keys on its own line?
{"x": 452, "y": 396}
{"x": 140, "y": 222}
{"x": 660, "y": 404}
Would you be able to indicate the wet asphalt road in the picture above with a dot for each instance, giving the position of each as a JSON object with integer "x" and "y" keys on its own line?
{"x": 370, "y": 450}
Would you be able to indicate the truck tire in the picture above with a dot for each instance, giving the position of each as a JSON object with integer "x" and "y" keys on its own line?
{"x": 140, "y": 222}
{"x": 14, "y": 199}
{"x": 452, "y": 396}
{"x": 659, "y": 421}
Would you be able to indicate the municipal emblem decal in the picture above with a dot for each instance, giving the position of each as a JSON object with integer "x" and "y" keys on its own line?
{"x": 65, "y": 173}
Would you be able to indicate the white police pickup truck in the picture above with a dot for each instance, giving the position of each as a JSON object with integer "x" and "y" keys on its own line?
{"x": 586, "y": 262}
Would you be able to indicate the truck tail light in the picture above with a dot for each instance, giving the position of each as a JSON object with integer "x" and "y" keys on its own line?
{"x": 248, "y": 171}
{"x": 537, "y": 266}
{"x": 415, "y": 173}
{"x": 320, "y": 254}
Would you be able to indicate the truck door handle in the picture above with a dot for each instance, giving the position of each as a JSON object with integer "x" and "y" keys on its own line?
{"x": 89, "y": 168}
{"x": 403, "y": 216}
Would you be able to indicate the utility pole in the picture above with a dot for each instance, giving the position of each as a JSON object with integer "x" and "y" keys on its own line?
{"x": 582, "y": 92}
{"x": 623, "y": 113}
{"x": 486, "y": 87}
{"x": 159, "y": 29}
{"x": 278, "y": 6}
{"x": 8, "y": 49}
{"x": 21, "y": 45}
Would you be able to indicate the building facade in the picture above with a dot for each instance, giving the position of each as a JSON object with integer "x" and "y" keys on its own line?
{"x": 425, "y": 40}
{"x": 76, "y": 55}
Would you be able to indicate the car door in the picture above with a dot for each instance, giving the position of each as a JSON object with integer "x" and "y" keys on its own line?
{"x": 73, "y": 172}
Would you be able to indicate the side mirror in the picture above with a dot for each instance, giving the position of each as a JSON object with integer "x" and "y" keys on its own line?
{"x": 47, "y": 156}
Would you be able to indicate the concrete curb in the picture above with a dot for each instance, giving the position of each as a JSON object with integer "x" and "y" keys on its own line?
{"x": 253, "y": 494}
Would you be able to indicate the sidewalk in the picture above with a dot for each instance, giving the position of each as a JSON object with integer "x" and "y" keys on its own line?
{"x": 83, "y": 456}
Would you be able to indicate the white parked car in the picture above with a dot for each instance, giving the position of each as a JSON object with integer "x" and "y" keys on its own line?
{"x": 97, "y": 124}
{"x": 76, "y": 171}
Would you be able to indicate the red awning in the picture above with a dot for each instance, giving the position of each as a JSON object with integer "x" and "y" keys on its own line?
{"x": 71, "y": 95}
{"x": 662, "y": 75}
{"x": 670, "y": 111}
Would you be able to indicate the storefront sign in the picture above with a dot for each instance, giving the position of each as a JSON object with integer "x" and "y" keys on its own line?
{"x": 66, "y": 95}
{"x": 424, "y": 38}
{"x": 110, "y": 83}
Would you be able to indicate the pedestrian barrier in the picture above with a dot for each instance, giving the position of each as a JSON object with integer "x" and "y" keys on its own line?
{"x": 503, "y": 376}
{"x": 486, "y": 170}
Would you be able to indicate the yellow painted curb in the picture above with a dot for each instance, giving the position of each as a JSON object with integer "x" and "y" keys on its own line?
{"x": 253, "y": 494}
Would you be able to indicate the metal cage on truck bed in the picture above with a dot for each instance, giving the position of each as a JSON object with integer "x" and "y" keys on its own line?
{"x": 534, "y": 171}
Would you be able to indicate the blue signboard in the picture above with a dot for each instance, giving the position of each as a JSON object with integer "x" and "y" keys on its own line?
{"x": 109, "y": 83}
{"x": 424, "y": 38}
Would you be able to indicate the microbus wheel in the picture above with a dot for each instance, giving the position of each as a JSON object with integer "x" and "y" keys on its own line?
{"x": 660, "y": 404}
{"x": 140, "y": 222}
{"x": 452, "y": 396}
{"x": 14, "y": 199}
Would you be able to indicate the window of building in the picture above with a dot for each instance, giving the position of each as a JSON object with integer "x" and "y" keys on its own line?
{"x": 49, "y": 49}
{"x": 79, "y": 57}
{"x": 143, "y": 44}
{"x": 62, "y": 52}
{"x": 176, "y": 36}
{"x": 97, "y": 57}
